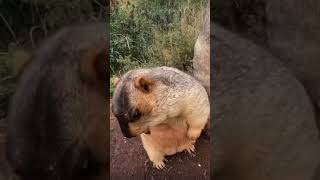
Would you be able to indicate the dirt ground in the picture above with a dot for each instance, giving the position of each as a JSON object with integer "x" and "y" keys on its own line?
{"x": 129, "y": 160}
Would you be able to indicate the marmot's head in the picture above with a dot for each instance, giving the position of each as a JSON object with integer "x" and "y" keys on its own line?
{"x": 134, "y": 102}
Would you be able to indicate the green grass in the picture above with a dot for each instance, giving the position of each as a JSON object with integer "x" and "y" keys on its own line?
{"x": 150, "y": 33}
{"x": 7, "y": 81}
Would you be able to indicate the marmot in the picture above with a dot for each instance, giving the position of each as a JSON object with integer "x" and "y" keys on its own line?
{"x": 164, "y": 105}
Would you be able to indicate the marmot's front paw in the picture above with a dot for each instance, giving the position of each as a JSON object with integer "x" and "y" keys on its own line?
{"x": 194, "y": 133}
{"x": 190, "y": 148}
{"x": 157, "y": 159}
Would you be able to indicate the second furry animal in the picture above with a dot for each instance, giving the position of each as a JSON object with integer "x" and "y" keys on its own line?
{"x": 164, "y": 105}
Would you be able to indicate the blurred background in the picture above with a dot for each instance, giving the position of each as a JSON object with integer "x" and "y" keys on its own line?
{"x": 247, "y": 17}
{"x": 25, "y": 23}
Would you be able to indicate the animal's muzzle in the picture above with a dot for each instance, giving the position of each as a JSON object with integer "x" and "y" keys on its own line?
{"x": 125, "y": 130}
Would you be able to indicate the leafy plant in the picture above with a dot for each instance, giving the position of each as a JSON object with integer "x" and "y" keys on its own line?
{"x": 150, "y": 33}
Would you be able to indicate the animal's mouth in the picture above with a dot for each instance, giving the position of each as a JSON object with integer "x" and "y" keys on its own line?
{"x": 146, "y": 130}
{"x": 126, "y": 132}
{"x": 137, "y": 128}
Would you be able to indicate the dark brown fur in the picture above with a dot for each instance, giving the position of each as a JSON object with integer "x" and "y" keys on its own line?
{"x": 263, "y": 126}
{"x": 58, "y": 120}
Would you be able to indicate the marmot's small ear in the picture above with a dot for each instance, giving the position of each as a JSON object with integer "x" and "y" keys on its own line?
{"x": 94, "y": 63}
{"x": 144, "y": 84}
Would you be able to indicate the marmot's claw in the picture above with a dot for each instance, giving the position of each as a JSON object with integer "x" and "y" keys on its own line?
{"x": 159, "y": 165}
{"x": 190, "y": 149}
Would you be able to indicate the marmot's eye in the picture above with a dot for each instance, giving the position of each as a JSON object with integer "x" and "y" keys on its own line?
{"x": 136, "y": 114}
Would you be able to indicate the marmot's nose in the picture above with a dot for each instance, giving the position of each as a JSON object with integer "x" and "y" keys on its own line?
{"x": 127, "y": 135}
{"x": 125, "y": 129}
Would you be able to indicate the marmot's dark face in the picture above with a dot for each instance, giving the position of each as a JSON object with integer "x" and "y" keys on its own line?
{"x": 132, "y": 103}
{"x": 123, "y": 111}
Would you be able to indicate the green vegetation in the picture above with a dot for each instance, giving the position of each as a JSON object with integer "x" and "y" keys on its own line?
{"x": 7, "y": 81}
{"x": 147, "y": 33}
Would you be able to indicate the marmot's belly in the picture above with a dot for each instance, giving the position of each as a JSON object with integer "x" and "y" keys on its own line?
{"x": 169, "y": 139}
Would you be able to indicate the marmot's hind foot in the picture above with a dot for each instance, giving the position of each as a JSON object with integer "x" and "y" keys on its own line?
{"x": 159, "y": 165}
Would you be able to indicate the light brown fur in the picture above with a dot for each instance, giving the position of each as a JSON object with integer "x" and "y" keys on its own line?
{"x": 166, "y": 139}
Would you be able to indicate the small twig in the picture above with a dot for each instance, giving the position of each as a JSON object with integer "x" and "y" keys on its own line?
{"x": 237, "y": 4}
{"x": 9, "y": 28}
{"x": 6, "y": 78}
{"x": 31, "y": 35}
{"x": 42, "y": 20}
{"x": 101, "y": 5}
{"x": 127, "y": 40}
{"x": 112, "y": 70}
